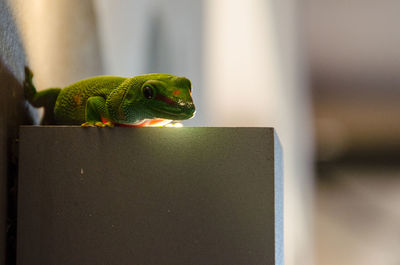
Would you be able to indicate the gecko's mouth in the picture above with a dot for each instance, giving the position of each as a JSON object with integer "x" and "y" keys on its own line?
{"x": 185, "y": 111}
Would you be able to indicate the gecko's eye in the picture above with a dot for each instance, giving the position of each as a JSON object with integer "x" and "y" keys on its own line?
{"x": 148, "y": 92}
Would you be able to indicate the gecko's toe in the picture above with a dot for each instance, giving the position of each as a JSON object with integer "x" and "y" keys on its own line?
{"x": 99, "y": 124}
{"x": 87, "y": 124}
{"x": 109, "y": 124}
{"x": 28, "y": 73}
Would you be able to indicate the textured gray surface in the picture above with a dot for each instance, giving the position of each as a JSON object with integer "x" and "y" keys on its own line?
{"x": 149, "y": 196}
{"x": 12, "y": 61}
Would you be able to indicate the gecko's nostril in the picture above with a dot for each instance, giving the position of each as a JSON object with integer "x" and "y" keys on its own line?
{"x": 190, "y": 107}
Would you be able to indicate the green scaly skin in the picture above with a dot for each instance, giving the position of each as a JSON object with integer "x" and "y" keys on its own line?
{"x": 116, "y": 100}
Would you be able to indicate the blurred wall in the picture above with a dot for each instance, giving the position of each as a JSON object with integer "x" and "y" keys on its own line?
{"x": 354, "y": 55}
{"x": 60, "y": 38}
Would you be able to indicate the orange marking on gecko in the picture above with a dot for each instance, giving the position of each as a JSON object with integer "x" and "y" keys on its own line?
{"x": 176, "y": 92}
{"x": 77, "y": 99}
{"x": 154, "y": 122}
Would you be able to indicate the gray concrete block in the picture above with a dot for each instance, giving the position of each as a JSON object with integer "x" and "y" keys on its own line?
{"x": 150, "y": 196}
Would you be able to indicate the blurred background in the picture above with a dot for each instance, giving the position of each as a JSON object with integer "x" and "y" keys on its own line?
{"x": 353, "y": 57}
{"x": 325, "y": 74}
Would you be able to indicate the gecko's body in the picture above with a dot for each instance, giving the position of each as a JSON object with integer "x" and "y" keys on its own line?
{"x": 152, "y": 99}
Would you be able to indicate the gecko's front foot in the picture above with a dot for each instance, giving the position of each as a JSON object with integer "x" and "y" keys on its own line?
{"x": 98, "y": 124}
{"x": 29, "y": 88}
{"x": 28, "y": 74}
{"x": 108, "y": 124}
{"x": 88, "y": 124}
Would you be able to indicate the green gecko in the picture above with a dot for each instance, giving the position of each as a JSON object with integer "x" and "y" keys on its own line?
{"x": 105, "y": 101}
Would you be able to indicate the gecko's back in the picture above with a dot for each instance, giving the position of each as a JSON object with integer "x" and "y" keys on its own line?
{"x": 71, "y": 102}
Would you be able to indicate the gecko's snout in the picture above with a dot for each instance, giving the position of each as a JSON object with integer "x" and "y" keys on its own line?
{"x": 188, "y": 108}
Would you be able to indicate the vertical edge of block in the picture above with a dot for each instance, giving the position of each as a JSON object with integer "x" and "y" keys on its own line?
{"x": 24, "y": 196}
{"x": 23, "y": 132}
{"x": 278, "y": 182}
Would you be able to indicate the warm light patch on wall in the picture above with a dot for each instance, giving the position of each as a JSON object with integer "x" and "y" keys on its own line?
{"x": 241, "y": 64}
{"x": 60, "y": 39}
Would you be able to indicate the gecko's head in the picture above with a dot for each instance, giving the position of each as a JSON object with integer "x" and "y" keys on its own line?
{"x": 166, "y": 96}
